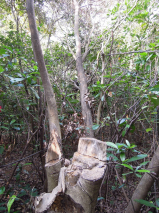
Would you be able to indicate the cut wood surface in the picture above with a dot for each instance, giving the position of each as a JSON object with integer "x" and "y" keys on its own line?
{"x": 78, "y": 184}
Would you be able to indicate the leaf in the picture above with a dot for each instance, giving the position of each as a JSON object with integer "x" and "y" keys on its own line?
{"x": 127, "y": 173}
{"x": 102, "y": 98}
{"x": 96, "y": 126}
{"x": 120, "y": 121}
{"x": 2, "y": 190}
{"x": 123, "y": 133}
{"x": 144, "y": 202}
{"x": 17, "y": 128}
{"x": 122, "y": 156}
{"x": 2, "y": 51}
{"x": 113, "y": 156}
{"x": 143, "y": 170}
{"x": 157, "y": 202}
{"x": 148, "y": 130}
{"x": 138, "y": 175}
{"x": 112, "y": 145}
{"x": 12, "y": 121}
{"x": 1, "y": 149}
{"x": 128, "y": 166}
{"x": 138, "y": 157}
{"x": 2, "y": 208}
{"x": 35, "y": 67}
{"x": 121, "y": 186}
{"x": 10, "y": 202}
{"x": 144, "y": 107}
{"x": 35, "y": 93}
{"x": 100, "y": 198}
{"x": 127, "y": 142}
{"x": 22, "y": 193}
{"x": 1, "y": 69}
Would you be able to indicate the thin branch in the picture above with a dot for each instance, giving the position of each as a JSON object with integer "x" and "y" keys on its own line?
{"x": 127, "y": 199}
{"x": 9, "y": 164}
{"x": 131, "y": 52}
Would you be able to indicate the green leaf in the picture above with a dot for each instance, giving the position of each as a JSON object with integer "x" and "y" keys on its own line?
{"x": 143, "y": 170}
{"x": 10, "y": 202}
{"x": 113, "y": 156}
{"x": 138, "y": 175}
{"x": 148, "y": 130}
{"x": 1, "y": 69}
{"x": 1, "y": 149}
{"x": 144, "y": 163}
{"x": 128, "y": 166}
{"x": 2, "y": 208}
{"x": 112, "y": 145}
{"x": 138, "y": 157}
{"x": 123, "y": 133}
{"x": 2, "y": 51}
{"x": 35, "y": 67}
{"x": 127, "y": 173}
{"x": 96, "y": 126}
{"x": 146, "y": 203}
{"x": 12, "y": 121}
{"x": 122, "y": 156}
{"x": 2, "y": 190}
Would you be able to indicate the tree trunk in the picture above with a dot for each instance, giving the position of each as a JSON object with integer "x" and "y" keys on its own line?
{"x": 79, "y": 182}
{"x": 144, "y": 185}
{"x": 86, "y": 112}
{"x": 50, "y": 96}
{"x": 54, "y": 153}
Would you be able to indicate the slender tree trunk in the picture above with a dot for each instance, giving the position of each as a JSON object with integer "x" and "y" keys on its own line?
{"x": 102, "y": 93}
{"x": 145, "y": 185}
{"x": 50, "y": 96}
{"x": 86, "y": 112}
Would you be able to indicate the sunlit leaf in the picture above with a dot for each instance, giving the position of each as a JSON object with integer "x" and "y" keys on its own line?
{"x": 148, "y": 130}
{"x": 138, "y": 157}
{"x": 12, "y": 121}
{"x": 127, "y": 142}
{"x": 143, "y": 170}
{"x": 122, "y": 156}
{"x": 112, "y": 145}
{"x": 128, "y": 166}
{"x": 96, "y": 126}
{"x": 146, "y": 203}
{"x": 10, "y": 202}
{"x": 1, "y": 69}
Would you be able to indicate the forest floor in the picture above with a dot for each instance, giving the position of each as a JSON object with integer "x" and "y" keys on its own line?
{"x": 27, "y": 183}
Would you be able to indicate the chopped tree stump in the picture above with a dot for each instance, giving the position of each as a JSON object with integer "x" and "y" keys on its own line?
{"x": 78, "y": 184}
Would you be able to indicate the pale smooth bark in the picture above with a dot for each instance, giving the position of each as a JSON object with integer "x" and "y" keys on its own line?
{"x": 145, "y": 185}
{"x": 86, "y": 111}
{"x": 50, "y": 96}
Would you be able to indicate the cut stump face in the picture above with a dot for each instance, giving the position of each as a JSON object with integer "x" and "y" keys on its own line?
{"x": 78, "y": 184}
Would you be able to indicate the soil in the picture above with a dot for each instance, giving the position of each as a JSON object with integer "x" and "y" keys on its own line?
{"x": 27, "y": 182}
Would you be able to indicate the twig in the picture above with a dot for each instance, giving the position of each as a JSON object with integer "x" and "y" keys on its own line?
{"x": 22, "y": 159}
{"x": 127, "y": 199}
